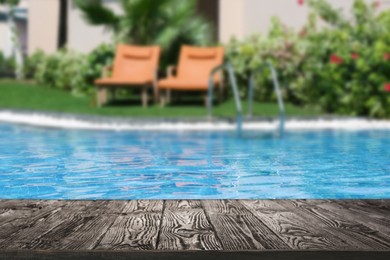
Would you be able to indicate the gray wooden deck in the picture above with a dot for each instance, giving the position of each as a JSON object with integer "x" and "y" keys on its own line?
{"x": 228, "y": 229}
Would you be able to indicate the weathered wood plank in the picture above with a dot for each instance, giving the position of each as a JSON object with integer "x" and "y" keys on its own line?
{"x": 375, "y": 204}
{"x": 11, "y": 210}
{"x": 374, "y": 210}
{"x": 41, "y": 225}
{"x": 264, "y": 205}
{"x": 357, "y": 235}
{"x": 185, "y": 227}
{"x": 136, "y": 228}
{"x": 17, "y": 215}
{"x": 238, "y": 229}
{"x": 81, "y": 230}
{"x": 90, "y": 226}
{"x": 90, "y": 234}
{"x": 294, "y": 230}
{"x": 191, "y": 255}
{"x": 369, "y": 216}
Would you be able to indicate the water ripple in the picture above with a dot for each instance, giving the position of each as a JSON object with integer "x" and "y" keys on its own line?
{"x": 37, "y": 163}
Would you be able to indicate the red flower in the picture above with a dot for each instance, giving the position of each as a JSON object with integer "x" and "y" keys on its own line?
{"x": 387, "y": 87}
{"x": 355, "y": 56}
{"x": 334, "y": 59}
{"x": 377, "y": 3}
{"x": 301, "y": 2}
{"x": 386, "y": 56}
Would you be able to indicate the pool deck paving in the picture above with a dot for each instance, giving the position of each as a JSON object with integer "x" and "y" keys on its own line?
{"x": 195, "y": 229}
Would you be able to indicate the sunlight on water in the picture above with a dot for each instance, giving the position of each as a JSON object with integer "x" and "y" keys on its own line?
{"x": 38, "y": 163}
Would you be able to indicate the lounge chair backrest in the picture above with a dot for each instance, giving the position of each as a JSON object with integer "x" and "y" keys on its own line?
{"x": 196, "y": 63}
{"x": 136, "y": 62}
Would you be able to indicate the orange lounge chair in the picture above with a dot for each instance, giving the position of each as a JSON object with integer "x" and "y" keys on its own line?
{"x": 134, "y": 66}
{"x": 193, "y": 72}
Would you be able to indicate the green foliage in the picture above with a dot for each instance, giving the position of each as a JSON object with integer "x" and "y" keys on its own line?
{"x": 95, "y": 13}
{"x": 64, "y": 70}
{"x": 69, "y": 70}
{"x": 168, "y": 23}
{"x": 100, "y": 57}
{"x": 7, "y": 66}
{"x": 32, "y": 62}
{"x": 340, "y": 67}
{"x": 10, "y": 2}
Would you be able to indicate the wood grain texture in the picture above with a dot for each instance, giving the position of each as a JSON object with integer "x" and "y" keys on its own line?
{"x": 17, "y": 215}
{"x": 356, "y": 235}
{"x": 365, "y": 212}
{"x": 294, "y": 230}
{"x": 186, "y": 227}
{"x": 136, "y": 228}
{"x": 87, "y": 229}
{"x": 239, "y": 229}
{"x": 40, "y": 225}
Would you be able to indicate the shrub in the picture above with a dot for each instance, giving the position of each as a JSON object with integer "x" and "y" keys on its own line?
{"x": 340, "y": 67}
{"x": 69, "y": 70}
{"x": 346, "y": 61}
{"x": 32, "y": 62}
{"x": 281, "y": 47}
{"x": 100, "y": 57}
{"x": 7, "y": 66}
{"x": 64, "y": 70}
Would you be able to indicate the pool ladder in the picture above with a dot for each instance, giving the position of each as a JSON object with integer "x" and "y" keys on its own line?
{"x": 233, "y": 83}
{"x": 274, "y": 75}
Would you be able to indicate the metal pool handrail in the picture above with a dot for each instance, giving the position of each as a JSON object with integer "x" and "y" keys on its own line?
{"x": 233, "y": 84}
{"x": 282, "y": 114}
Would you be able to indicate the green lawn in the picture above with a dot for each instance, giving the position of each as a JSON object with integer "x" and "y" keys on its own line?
{"x": 27, "y": 96}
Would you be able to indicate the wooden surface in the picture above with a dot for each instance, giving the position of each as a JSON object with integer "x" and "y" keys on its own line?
{"x": 206, "y": 226}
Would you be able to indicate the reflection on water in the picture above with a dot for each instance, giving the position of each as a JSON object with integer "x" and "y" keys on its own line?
{"x": 70, "y": 164}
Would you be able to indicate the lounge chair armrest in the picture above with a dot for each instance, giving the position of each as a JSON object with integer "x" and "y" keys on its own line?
{"x": 106, "y": 70}
{"x": 171, "y": 71}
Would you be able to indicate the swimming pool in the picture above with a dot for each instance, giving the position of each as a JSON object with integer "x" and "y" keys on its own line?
{"x": 42, "y": 163}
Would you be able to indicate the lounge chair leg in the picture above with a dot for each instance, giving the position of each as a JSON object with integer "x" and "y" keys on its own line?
{"x": 101, "y": 96}
{"x": 144, "y": 97}
{"x": 169, "y": 96}
{"x": 156, "y": 95}
{"x": 162, "y": 99}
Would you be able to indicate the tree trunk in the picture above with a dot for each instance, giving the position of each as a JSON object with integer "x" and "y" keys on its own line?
{"x": 63, "y": 24}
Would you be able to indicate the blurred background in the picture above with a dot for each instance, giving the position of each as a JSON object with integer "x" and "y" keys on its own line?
{"x": 332, "y": 56}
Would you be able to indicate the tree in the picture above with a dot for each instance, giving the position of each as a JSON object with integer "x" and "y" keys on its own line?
{"x": 62, "y": 24}
{"x": 17, "y": 50}
{"x": 168, "y": 23}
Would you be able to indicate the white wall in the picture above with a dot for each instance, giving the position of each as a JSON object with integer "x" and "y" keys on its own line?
{"x": 83, "y": 37}
{"x": 258, "y": 14}
{"x": 43, "y": 25}
{"x": 231, "y": 19}
{"x": 239, "y": 18}
{"x": 242, "y": 18}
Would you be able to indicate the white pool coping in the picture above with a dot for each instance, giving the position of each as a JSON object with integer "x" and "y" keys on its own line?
{"x": 65, "y": 121}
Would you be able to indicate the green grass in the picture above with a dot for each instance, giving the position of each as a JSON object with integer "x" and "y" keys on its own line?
{"x": 27, "y": 96}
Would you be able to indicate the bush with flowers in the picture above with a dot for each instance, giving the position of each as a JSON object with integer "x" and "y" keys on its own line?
{"x": 339, "y": 64}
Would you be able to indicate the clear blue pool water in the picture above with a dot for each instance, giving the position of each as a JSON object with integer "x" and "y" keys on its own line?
{"x": 38, "y": 163}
